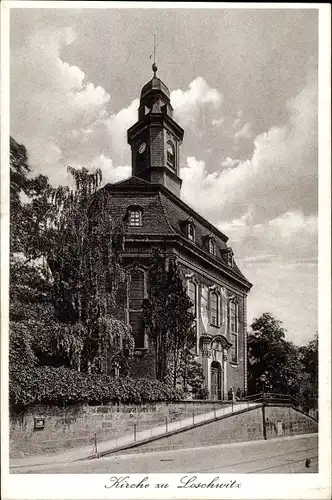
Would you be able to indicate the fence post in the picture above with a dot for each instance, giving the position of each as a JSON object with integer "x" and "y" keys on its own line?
{"x": 166, "y": 423}
{"x": 135, "y": 432}
{"x": 193, "y": 417}
{"x": 214, "y": 411}
{"x": 96, "y": 446}
{"x": 263, "y": 415}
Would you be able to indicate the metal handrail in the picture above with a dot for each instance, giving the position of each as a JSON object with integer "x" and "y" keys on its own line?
{"x": 272, "y": 396}
{"x": 251, "y": 397}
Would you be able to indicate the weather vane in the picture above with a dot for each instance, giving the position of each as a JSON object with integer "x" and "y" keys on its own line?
{"x": 154, "y": 65}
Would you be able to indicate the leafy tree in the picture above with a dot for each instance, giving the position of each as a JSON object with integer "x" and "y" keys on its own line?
{"x": 66, "y": 269}
{"x": 30, "y": 210}
{"x": 270, "y": 353}
{"x": 31, "y": 311}
{"x": 167, "y": 316}
{"x": 85, "y": 261}
{"x": 190, "y": 375}
{"x": 181, "y": 334}
{"x": 284, "y": 365}
{"x": 309, "y": 358}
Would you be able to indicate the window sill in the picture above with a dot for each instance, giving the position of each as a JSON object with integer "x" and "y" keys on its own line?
{"x": 235, "y": 364}
{"x": 214, "y": 326}
{"x": 140, "y": 350}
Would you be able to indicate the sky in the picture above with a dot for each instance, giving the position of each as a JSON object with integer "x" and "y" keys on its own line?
{"x": 243, "y": 85}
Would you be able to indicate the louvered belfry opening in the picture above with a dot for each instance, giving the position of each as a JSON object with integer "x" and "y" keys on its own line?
{"x": 136, "y": 296}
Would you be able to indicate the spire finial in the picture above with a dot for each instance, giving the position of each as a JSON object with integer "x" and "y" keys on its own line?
{"x": 154, "y": 65}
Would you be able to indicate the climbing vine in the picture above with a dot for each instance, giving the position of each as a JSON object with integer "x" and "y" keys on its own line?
{"x": 85, "y": 261}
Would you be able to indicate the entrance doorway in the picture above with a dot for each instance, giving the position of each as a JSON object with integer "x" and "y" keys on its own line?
{"x": 215, "y": 380}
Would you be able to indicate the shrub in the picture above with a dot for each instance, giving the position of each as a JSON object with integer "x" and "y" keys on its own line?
{"x": 60, "y": 386}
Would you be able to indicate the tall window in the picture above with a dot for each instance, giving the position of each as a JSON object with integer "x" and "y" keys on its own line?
{"x": 170, "y": 154}
{"x": 212, "y": 246}
{"x": 136, "y": 296}
{"x": 214, "y": 309}
{"x": 191, "y": 231}
{"x": 234, "y": 328}
{"x": 234, "y": 320}
{"x": 192, "y": 293}
{"x": 135, "y": 217}
{"x": 234, "y": 348}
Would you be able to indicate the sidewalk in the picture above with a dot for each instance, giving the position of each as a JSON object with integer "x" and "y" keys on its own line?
{"x": 128, "y": 441}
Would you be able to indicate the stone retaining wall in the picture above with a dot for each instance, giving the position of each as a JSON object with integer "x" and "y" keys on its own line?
{"x": 76, "y": 425}
{"x": 246, "y": 426}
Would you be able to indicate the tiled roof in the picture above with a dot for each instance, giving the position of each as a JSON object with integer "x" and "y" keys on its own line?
{"x": 177, "y": 217}
{"x": 154, "y": 84}
{"x": 164, "y": 214}
{"x": 154, "y": 220}
{"x": 131, "y": 181}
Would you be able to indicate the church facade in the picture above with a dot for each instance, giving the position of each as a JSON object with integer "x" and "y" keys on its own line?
{"x": 150, "y": 204}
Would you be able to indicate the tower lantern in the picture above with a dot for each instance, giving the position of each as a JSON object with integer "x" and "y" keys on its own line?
{"x": 155, "y": 138}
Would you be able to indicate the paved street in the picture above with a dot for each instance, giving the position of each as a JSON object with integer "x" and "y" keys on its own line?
{"x": 283, "y": 455}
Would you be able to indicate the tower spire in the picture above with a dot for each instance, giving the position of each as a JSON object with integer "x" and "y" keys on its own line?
{"x": 155, "y": 138}
{"x": 154, "y": 65}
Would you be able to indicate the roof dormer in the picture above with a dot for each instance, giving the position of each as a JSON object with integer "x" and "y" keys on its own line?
{"x": 189, "y": 227}
{"x": 209, "y": 243}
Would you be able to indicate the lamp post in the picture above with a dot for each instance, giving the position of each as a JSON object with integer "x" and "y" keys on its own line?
{"x": 263, "y": 380}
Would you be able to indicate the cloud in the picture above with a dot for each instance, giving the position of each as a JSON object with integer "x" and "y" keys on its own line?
{"x": 117, "y": 126}
{"x": 237, "y": 120}
{"x": 70, "y": 122}
{"x": 280, "y": 258}
{"x": 189, "y": 104}
{"x": 280, "y": 177}
{"x": 289, "y": 292}
{"x": 291, "y": 237}
{"x": 218, "y": 122}
{"x": 110, "y": 172}
{"x": 244, "y": 132}
{"x": 229, "y": 163}
{"x": 54, "y": 98}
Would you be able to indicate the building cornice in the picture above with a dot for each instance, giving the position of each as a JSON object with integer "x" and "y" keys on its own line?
{"x": 194, "y": 250}
{"x": 151, "y": 119}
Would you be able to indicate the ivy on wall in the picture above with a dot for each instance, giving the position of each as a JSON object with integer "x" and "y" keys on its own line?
{"x": 62, "y": 386}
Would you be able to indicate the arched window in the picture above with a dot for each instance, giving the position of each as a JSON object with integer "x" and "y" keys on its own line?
{"x": 170, "y": 154}
{"x": 214, "y": 309}
{"x": 192, "y": 293}
{"x": 212, "y": 246}
{"x": 136, "y": 296}
{"x": 233, "y": 316}
{"x": 234, "y": 329}
{"x": 234, "y": 348}
{"x": 135, "y": 217}
{"x": 191, "y": 231}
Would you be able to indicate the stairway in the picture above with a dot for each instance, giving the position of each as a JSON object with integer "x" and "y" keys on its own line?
{"x": 148, "y": 435}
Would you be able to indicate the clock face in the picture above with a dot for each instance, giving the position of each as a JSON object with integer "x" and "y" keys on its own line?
{"x": 141, "y": 147}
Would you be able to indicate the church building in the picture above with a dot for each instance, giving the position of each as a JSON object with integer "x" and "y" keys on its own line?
{"x": 150, "y": 203}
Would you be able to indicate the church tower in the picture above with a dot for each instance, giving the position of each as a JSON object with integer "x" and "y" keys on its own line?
{"x": 155, "y": 138}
